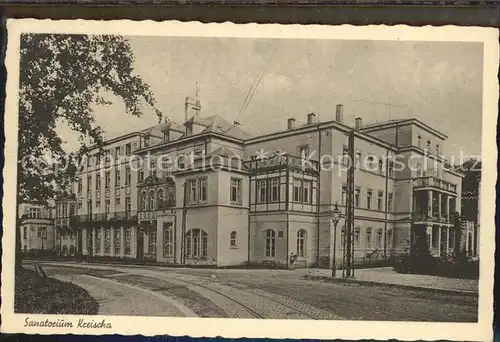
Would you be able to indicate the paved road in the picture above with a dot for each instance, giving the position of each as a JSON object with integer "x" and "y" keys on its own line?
{"x": 276, "y": 294}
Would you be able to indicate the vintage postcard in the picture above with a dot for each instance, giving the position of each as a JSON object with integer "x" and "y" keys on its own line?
{"x": 278, "y": 181}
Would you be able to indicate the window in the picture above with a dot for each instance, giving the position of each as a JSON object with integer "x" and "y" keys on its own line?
{"x": 168, "y": 239}
{"x": 117, "y": 178}
{"x": 197, "y": 190}
{"x": 97, "y": 205}
{"x": 389, "y": 203}
{"x": 128, "y": 240}
{"x": 25, "y": 233}
{"x": 379, "y": 238}
{"x": 389, "y": 238}
{"x": 152, "y": 200}
{"x": 302, "y": 190}
{"x": 435, "y": 237}
{"x": 152, "y": 242}
{"x": 196, "y": 243}
{"x": 274, "y": 189}
{"x": 143, "y": 201}
{"x": 140, "y": 176}
{"x": 419, "y": 141}
{"x": 270, "y": 240}
{"x": 451, "y": 237}
{"x": 419, "y": 170}
{"x": 152, "y": 168}
{"x": 89, "y": 161}
{"x": 235, "y": 195}
{"x": 357, "y": 197}
{"x": 262, "y": 191}
{"x": 297, "y": 190}
{"x": 170, "y": 192}
{"x": 232, "y": 240}
{"x": 37, "y": 213}
{"x": 89, "y": 183}
{"x": 181, "y": 162}
{"x": 117, "y": 202}
{"x": 80, "y": 205}
{"x": 380, "y": 165}
{"x": 303, "y": 151}
{"x": 161, "y": 197}
{"x": 301, "y": 243}
{"x": 437, "y": 150}
{"x": 108, "y": 180}
{"x": 117, "y": 242}
{"x": 391, "y": 170}
{"x": 128, "y": 149}
{"x": 344, "y": 195}
{"x": 369, "y": 199}
{"x": 97, "y": 159}
{"x": 128, "y": 205}
{"x": 107, "y": 240}
{"x": 356, "y": 236}
{"x": 108, "y": 205}
{"x": 128, "y": 176}
{"x": 166, "y": 136}
{"x": 146, "y": 141}
{"x": 368, "y": 238}
{"x": 380, "y": 200}
{"x": 117, "y": 152}
{"x": 98, "y": 240}
{"x": 428, "y": 147}
{"x": 98, "y": 182}
{"x": 80, "y": 185}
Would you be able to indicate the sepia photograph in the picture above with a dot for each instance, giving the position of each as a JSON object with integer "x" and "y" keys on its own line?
{"x": 212, "y": 171}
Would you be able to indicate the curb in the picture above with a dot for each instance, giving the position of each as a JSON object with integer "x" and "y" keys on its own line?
{"x": 401, "y": 286}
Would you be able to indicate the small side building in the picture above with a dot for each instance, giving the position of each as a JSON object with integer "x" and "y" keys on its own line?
{"x": 36, "y": 227}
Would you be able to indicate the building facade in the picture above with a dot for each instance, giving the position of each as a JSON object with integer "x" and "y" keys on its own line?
{"x": 36, "y": 227}
{"x": 208, "y": 193}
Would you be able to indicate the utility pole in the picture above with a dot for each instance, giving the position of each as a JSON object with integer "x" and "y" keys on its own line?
{"x": 349, "y": 251}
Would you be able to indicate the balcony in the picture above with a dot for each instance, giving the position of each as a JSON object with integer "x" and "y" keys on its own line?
{"x": 423, "y": 217}
{"x": 434, "y": 182}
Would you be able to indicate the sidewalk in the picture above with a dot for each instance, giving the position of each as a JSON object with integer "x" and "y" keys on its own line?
{"x": 386, "y": 275}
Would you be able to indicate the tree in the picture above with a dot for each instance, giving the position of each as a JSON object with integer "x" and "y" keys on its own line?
{"x": 62, "y": 78}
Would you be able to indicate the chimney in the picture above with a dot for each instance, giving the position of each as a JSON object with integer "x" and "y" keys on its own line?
{"x": 339, "y": 113}
{"x": 291, "y": 123}
{"x": 358, "y": 123}
{"x": 311, "y": 118}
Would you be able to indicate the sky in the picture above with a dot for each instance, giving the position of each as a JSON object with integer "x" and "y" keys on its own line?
{"x": 439, "y": 83}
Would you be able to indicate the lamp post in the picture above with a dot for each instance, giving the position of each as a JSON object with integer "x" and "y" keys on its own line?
{"x": 335, "y": 217}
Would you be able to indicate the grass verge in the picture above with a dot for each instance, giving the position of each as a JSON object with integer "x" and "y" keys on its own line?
{"x": 39, "y": 295}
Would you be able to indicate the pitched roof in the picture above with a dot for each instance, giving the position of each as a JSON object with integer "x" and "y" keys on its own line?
{"x": 218, "y": 124}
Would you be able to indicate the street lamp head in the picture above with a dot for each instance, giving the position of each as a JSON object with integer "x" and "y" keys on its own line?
{"x": 336, "y": 214}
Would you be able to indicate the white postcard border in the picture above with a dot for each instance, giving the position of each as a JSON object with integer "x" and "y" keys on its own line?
{"x": 233, "y": 328}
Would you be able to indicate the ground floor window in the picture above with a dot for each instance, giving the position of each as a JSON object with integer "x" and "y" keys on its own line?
{"x": 379, "y": 238}
{"x": 301, "y": 243}
{"x": 168, "y": 239}
{"x": 389, "y": 238}
{"x": 356, "y": 237}
{"x": 152, "y": 242}
{"x": 435, "y": 237}
{"x": 107, "y": 240}
{"x": 196, "y": 243}
{"x": 128, "y": 240}
{"x": 270, "y": 237}
{"x": 117, "y": 241}
{"x": 232, "y": 240}
{"x": 97, "y": 240}
{"x": 368, "y": 238}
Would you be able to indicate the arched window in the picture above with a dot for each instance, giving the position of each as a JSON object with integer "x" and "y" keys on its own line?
{"x": 143, "y": 201}
{"x": 356, "y": 236}
{"x": 368, "y": 241}
{"x": 379, "y": 238}
{"x": 170, "y": 192}
{"x": 152, "y": 200}
{"x": 301, "y": 243}
{"x": 270, "y": 237}
{"x": 196, "y": 243}
{"x": 168, "y": 239}
{"x": 161, "y": 198}
{"x": 232, "y": 240}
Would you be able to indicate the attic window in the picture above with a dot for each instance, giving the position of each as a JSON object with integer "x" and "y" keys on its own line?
{"x": 166, "y": 136}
